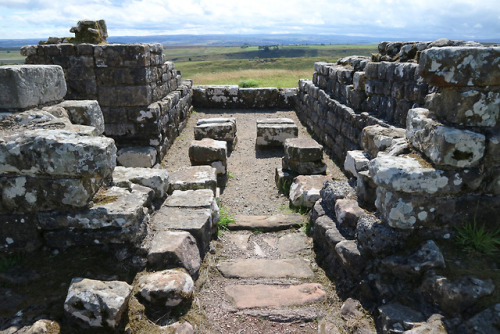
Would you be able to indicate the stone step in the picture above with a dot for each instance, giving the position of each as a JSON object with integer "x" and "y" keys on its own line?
{"x": 274, "y": 296}
{"x": 266, "y": 223}
{"x": 264, "y": 268}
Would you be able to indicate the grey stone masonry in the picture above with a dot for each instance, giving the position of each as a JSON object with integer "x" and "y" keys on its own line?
{"x": 223, "y": 128}
{"x": 274, "y": 131}
{"x": 209, "y": 152}
{"x": 304, "y": 156}
{"x": 194, "y": 178}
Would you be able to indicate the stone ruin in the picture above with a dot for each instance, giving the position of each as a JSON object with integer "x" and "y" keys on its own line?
{"x": 417, "y": 127}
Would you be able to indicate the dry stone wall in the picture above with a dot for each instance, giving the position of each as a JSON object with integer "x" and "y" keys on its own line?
{"x": 143, "y": 98}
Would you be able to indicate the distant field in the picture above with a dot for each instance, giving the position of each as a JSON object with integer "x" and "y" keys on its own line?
{"x": 277, "y": 68}
{"x": 9, "y": 57}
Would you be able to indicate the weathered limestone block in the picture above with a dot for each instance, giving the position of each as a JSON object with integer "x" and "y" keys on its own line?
{"x": 19, "y": 233}
{"x": 31, "y": 194}
{"x": 375, "y": 138}
{"x": 274, "y": 131}
{"x": 350, "y": 256}
{"x": 85, "y": 112}
{"x": 366, "y": 190}
{"x": 156, "y": 179}
{"x": 466, "y": 106}
{"x": 167, "y": 288}
{"x": 428, "y": 257}
{"x": 216, "y": 128}
{"x": 125, "y": 96}
{"x": 334, "y": 190}
{"x": 25, "y": 86}
{"x": 194, "y": 178}
{"x": 305, "y": 189}
{"x": 377, "y": 238}
{"x": 454, "y": 297}
{"x": 406, "y": 174}
{"x": 356, "y": 161}
{"x": 137, "y": 156}
{"x": 97, "y": 303}
{"x": 56, "y": 152}
{"x": 208, "y": 151}
{"x": 196, "y": 221}
{"x": 303, "y": 149}
{"x": 112, "y": 208}
{"x": 348, "y": 212}
{"x": 359, "y": 81}
{"x": 461, "y": 66}
{"x": 441, "y": 144}
{"x": 169, "y": 249}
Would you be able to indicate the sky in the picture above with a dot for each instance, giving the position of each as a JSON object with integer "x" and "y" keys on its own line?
{"x": 410, "y": 19}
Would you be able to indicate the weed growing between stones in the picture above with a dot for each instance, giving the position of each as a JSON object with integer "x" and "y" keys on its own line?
{"x": 9, "y": 261}
{"x": 230, "y": 175}
{"x": 474, "y": 237}
{"x": 225, "y": 218}
{"x": 284, "y": 186}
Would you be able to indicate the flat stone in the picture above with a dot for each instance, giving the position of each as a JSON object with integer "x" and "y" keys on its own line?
{"x": 444, "y": 145}
{"x": 305, "y": 189}
{"x": 376, "y": 138}
{"x": 303, "y": 150}
{"x": 304, "y": 168}
{"x": 272, "y": 296}
{"x": 178, "y": 328}
{"x": 221, "y": 128}
{"x": 292, "y": 244}
{"x": 264, "y": 268}
{"x": 266, "y": 223}
{"x": 206, "y": 151}
{"x": 194, "y": 178}
{"x": 167, "y": 288}
{"x": 356, "y": 161}
{"x": 198, "y": 222}
{"x": 396, "y": 315}
{"x": 156, "y": 179}
{"x": 274, "y": 131}
{"x": 240, "y": 240}
{"x": 297, "y": 314}
{"x": 24, "y": 86}
{"x": 85, "y": 112}
{"x": 169, "y": 249}
{"x": 97, "y": 303}
{"x": 137, "y": 156}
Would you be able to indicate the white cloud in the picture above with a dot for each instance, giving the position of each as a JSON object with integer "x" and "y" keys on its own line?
{"x": 387, "y": 18}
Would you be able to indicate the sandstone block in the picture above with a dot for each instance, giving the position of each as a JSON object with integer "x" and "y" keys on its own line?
{"x": 156, "y": 179}
{"x": 25, "y": 86}
{"x": 348, "y": 212}
{"x": 97, "y": 303}
{"x": 461, "y": 66}
{"x": 207, "y": 151}
{"x": 123, "y": 55}
{"x": 303, "y": 150}
{"x": 441, "y": 144}
{"x": 266, "y": 223}
{"x": 359, "y": 81}
{"x": 350, "y": 256}
{"x": 167, "y": 288}
{"x": 137, "y": 156}
{"x": 356, "y": 161}
{"x": 375, "y": 138}
{"x": 194, "y": 178}
{"x": 305, "y": 189}
{"x": 274, "y": 131}
{"x": 86, "y": 112}
{"x": 334, "y": 190}
{"x": 174, "y": 249}
{"x": 264, "y": 268}
{"x": 216, "y": 128}
{"x": 304, "y": 168}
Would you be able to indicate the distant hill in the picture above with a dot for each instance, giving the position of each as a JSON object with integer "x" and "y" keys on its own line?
{"x": 259, "y": 39}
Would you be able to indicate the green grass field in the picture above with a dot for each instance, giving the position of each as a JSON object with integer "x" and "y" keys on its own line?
{"x": 223, "y": 65}
{"x": 10, "y": 57}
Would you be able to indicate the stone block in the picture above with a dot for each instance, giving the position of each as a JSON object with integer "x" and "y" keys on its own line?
{"x": 441, "y": 144}
{"x": 359, "y": 81}
{"x": 166, "y": 288}
{"x": 216, "y": 128}
{"x": 472, "y": 107}
{"x": 197, "y": 221}
{"x": 97, "y": 303}
{"x": 283, "y": 179}
{"x": 460, "y": 66}
{"x": 350, "y": 256}
{"x": 86, "y": 112}
{"x": 258, "y": 98}
{"x": 303, "y": 150}
{"x": 194, "y": 178}
{"x": 123, "y": 55}
{"x": 125, "y": 96}
{"x": 137, "y": 156}
{"x": 376, "y": 138}
{"x": 366, "y": 190}
{"x": 335, "y": 190}
{"x": 304, "y": 168}
{"x": 305, "y": 189}
{"x": 206, "y": 151}
{"x": 19, "y": 233}
{"x": 375, "y": 237}
{"x": 356, "y": 161}
{"x": 395, "y": 317}
{"x": 156, "y": 179}
{"x": 171, "y": 249}
{"x": 25, "y": 86}
{"x": 113, "y": 76}
{"x": 348, "y": 212}
{"x": 274, "y": 131}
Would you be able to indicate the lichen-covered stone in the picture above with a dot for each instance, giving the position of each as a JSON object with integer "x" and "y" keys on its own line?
{"x": 334, "y": 190}
{"x": 97, "y": 303}
{"x": 375, "y": 138}
{"x": 303, "y": 150}
{"x": 25, "y": 86}
{"x": 274, "y": 131}
{"x": 305, "y": 189}
{"x": 167, "y": 288}
{"x": 350, "y": 256}
{"x": 86, "y": 112}
{"x": 461, "y": 66}
{"x": 356, "y": 161}
{"x": 156, "y": 179}
{"x": 207, "y": 151}
{"x": 19, "y": 233}
{"x": 375, "y": 237}
{"x": 427, "y": 257}
{"x": 216, "y": 128}
{"x": 194, "y": 178}
{"x": 137, "y": 156}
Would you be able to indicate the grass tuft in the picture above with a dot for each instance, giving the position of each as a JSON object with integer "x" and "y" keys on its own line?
{"x": 248, "y": 83}
{"x": 474, "y": 237}
{"x": 225, "y": 218}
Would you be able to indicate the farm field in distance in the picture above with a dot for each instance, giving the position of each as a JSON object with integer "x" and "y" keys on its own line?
{"x": 271, "y": 66}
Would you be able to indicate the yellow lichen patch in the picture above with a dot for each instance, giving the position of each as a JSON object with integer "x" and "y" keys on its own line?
{"x": 102, "y": 198}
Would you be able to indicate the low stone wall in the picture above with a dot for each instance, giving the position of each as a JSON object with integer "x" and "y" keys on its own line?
{"x": 143, "y": 98}
{"x": 232, "y": 97}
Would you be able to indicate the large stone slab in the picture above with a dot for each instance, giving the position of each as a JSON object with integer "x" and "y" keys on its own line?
{"x": 303, "y": 149}
{"x": 85, "y": 112}
{"x": 198, "y": 222}
{"x": 97, "y": 303}
{"x": 25, "y": 86}
{"x": 461, "y": 66}
{"x": 156, "y": 179}
{"x": 274, "y": 131}
{"x": 264, "y": 268}
{"x": 376, "y": 138}
{"x": 194, "y": 178}
{"x": 274, "y": 296}
{"x": 266, "y": 223}
{"x": 305, "y": 189}
{"x": 208, "y": 151}
{"x": 167, "y": 288}
{"x": 56, "y": 152}
{"x": 221, "y": 128}
{"x": 170, "y": 249}
{"x": 137, "y": 156}
{"x": 444, "y": 145}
